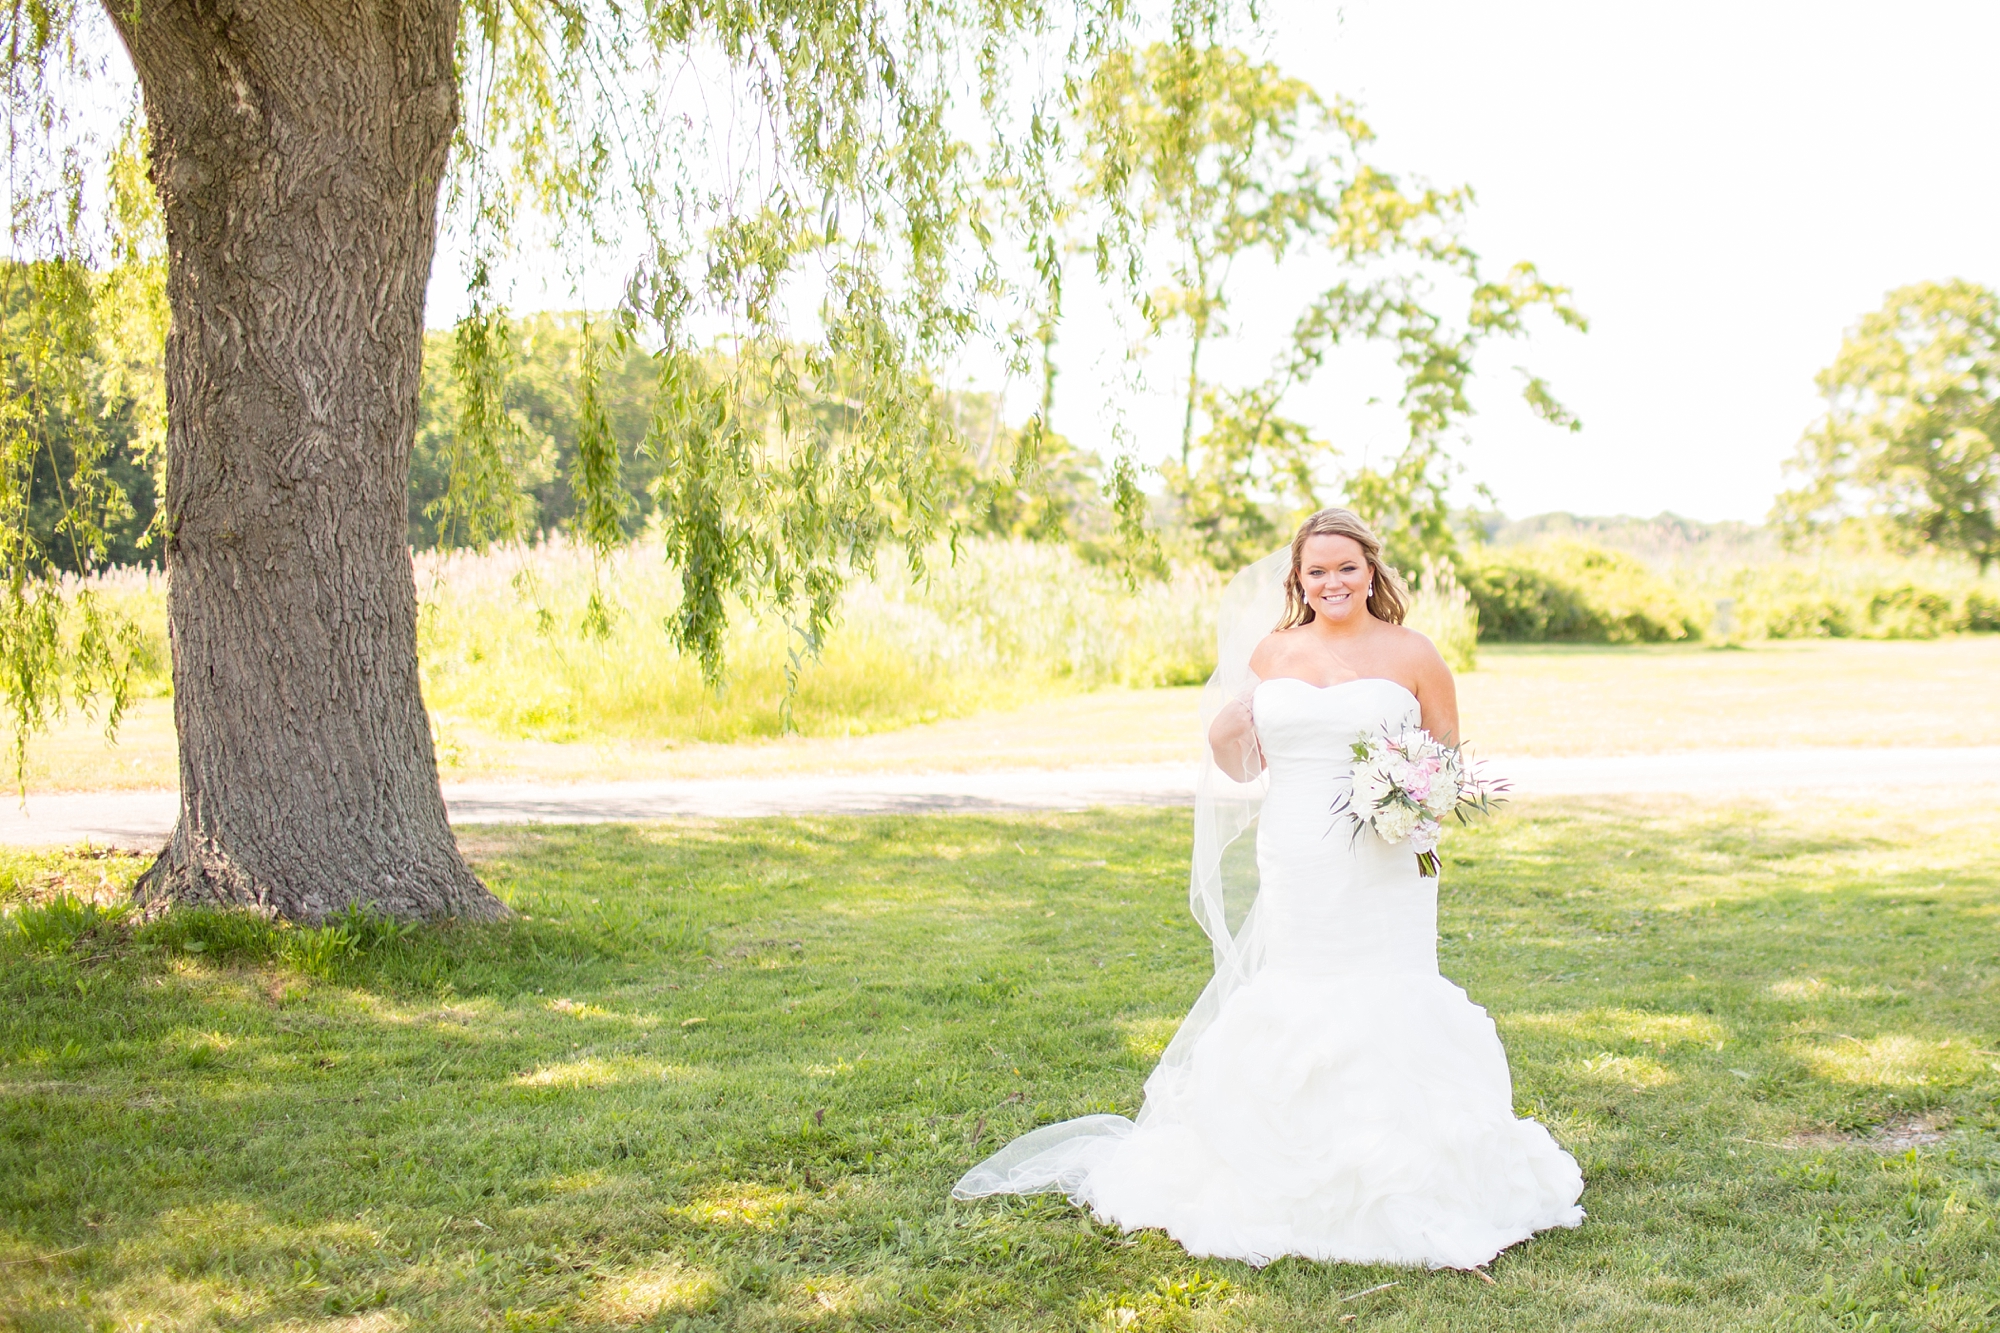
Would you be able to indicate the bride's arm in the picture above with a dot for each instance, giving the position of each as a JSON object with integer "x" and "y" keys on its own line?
{"x": 1438, "y": 695}
{"x": 1232, "y": 739}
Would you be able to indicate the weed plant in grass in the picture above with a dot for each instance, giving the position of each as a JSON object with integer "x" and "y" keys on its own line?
{"x": 722, "y": 1076}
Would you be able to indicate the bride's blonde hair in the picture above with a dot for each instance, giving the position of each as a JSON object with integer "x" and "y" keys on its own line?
{"x": 1388, "y": 598}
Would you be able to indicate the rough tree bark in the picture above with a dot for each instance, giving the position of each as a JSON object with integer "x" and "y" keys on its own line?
{"x": 298, "y": 147}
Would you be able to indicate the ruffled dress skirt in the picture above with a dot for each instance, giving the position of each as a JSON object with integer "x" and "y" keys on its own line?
{"x": 1364, "y": 1120}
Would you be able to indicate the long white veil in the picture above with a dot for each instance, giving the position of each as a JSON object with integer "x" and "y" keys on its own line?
{"x": 1222, "y": 882}
{"x": 1222, "y": 891}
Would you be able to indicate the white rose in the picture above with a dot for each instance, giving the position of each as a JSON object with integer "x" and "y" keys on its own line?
{"x": 1424, "y": 837}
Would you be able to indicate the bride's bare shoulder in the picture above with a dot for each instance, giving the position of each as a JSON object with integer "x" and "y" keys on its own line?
{"x": 1271, "y": 650}
{"x": 1410, "y": 641}
{"x": 1414, "y": 652}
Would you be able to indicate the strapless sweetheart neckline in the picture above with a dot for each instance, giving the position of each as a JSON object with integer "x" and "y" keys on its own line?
{"x": 1340, "y": 684}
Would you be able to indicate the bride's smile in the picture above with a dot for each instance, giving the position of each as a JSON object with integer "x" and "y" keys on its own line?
{"x": 1334, "y": 576}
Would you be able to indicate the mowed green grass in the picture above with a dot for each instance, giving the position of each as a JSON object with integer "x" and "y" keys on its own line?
{"x": 722, "y": 1076}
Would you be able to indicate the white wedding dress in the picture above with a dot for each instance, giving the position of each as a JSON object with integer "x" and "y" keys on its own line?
{"x": 1345, "y": 1102}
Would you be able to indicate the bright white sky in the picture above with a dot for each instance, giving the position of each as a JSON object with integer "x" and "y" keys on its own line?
{"x": 1725, "y": 187}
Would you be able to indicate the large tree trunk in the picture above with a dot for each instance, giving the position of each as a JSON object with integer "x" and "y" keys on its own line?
{"x": 298, "y": 146}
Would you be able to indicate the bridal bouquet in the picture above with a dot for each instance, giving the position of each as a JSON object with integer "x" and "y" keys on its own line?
{"x": 1404, "y": 787}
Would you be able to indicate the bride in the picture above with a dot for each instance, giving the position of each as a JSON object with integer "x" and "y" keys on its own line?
{"x": 1330, "y": 1095}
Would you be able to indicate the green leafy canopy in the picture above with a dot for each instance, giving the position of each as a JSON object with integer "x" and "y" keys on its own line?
{"x": 1911, "y": 435}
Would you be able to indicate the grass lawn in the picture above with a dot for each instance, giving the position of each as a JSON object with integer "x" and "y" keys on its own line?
{"x": 721, "y": 1076}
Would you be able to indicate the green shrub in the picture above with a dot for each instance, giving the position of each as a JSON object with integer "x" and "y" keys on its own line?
{"x": 1799, "y": 616}
{"x": 1566, "y": 591}
{"x": 57, "y": 925}
{"x": 1739, "y": 580}
{"x": 1518, "y": 604}
{"x": 1979, "y": 611}
{"x": 1906, "y": 611}
{"x": 1872, "y": 596}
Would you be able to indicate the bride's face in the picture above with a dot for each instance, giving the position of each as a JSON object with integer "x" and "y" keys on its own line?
{"x": 1334, "y": 575}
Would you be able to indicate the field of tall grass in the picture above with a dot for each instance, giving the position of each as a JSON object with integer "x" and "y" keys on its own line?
{"x": 505, "y": 648}
{"x": 504, "y": 645}
{"x": 506, "y": 652}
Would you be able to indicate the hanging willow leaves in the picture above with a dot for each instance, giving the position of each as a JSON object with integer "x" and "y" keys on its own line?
{"x": 819, "y": 167}
{"x": 786, "y": 200}
{"x": 483, "y": 502}
{"x": 56, "y": 499}
{"x": 598, "y": 478}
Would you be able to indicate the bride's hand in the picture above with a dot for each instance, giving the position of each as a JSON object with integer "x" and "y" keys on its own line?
{"x": 1232, "y": 739}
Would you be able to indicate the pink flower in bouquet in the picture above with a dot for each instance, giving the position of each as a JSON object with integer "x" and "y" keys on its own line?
{"x": 1403, "y": 786}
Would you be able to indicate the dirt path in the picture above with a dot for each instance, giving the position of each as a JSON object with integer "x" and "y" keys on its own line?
{"x": 140, "y": 818}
